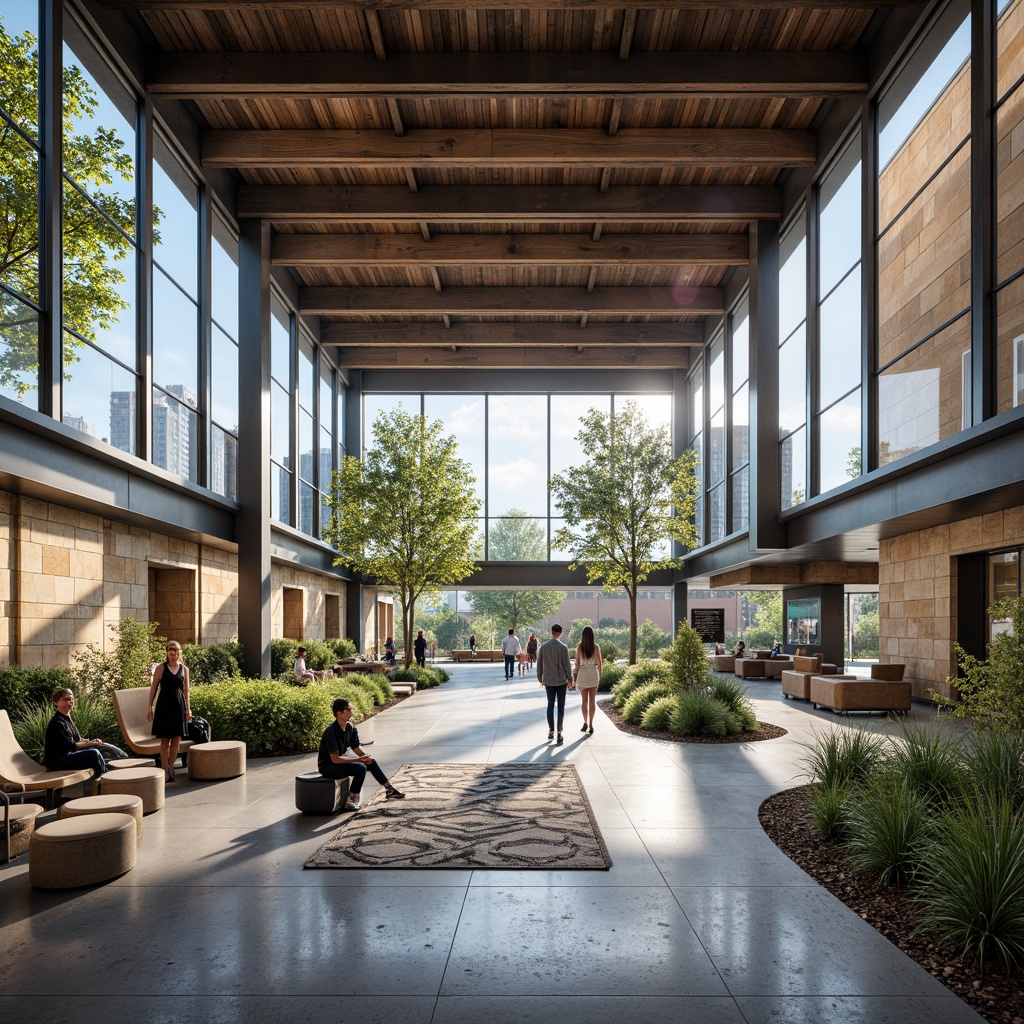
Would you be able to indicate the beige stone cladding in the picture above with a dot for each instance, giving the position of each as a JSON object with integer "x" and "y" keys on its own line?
{"x": 301, "y": 613}
{"x": 67, "y": 576}
{"x": 917, "y": 586}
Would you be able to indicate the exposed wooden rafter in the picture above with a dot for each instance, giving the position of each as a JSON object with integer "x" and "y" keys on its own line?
{"x": 699, "y": 73}
{"x": 524, "y": 335}
{"x": 519, "y": 5}
{"x": 553, "y": 357}
{"x": 501, "y": 147}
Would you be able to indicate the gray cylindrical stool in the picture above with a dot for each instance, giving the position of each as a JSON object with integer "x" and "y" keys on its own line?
{"x": 219, "y": 759}
{"x": 145, "y": 782}
{"x": 81, "y": 851}
{"x": 315, "y": 794}
{"x": 111, "y": 803}
{"x": 131, "y": 762}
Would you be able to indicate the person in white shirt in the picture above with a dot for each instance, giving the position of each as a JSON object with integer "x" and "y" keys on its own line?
{"x": 303, "y": 674}
{"x": 510, "y": 648}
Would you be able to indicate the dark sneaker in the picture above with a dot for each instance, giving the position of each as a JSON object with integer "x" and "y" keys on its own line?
{"x": 390, "y": 793}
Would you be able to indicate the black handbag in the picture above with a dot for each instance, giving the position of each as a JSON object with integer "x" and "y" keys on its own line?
{"x": 199, "y": 730}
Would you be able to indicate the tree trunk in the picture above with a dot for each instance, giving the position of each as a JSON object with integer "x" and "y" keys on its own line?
{"x": 408, "y": 616}
{"x": 632, "y": 623}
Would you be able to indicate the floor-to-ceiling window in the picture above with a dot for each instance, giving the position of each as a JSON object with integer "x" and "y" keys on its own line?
{"x": 793, "y": 362}
{"x": 924, "y": 243}
{"x": 695, "y": 434}
{"x": 281, "y": 335}
{"x": 224, "y": 359}
{"x": 739, "y": 418}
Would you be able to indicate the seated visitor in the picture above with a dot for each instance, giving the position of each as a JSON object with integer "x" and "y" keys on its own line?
{"x": 64, "y": 748}
{"x": 303, "y": 674}
{"x": 389, "y": 650}
{"x": 741, "y": 650}
{"x": 777, "y": 650}
{"x": 341, "y": 757}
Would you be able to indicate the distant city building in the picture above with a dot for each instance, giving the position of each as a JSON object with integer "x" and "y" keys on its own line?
{"x": 78, "y": 423}
{"x": 122, "y": 420}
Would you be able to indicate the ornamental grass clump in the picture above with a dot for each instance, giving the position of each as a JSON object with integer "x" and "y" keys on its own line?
{"x": 829, "y": 811}
{"x": 642, "y": 698}
{"x": 887, "y": 831}
{"x": 972, "y": 879}
{"x": 994, "y": 763}
{"x": 610, "y": 676}
{"x": 697, "y": 713}
{"x": 732, "y": 694}
{"x": 844, "y": 756}
{"x": 638, "y": 675}
{"x": 659, "y": 714}
{"x": 928, "y": 761}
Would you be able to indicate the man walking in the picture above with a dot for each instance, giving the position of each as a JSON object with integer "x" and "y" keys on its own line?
{"x": 554, "y": 671}
{"x": 510, "y": 648}
{"x": 420, "y": 646}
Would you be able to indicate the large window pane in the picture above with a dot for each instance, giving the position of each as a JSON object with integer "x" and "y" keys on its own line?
{"x": 517, "y": 454}
{"x": 308, "y": 508}
{"x": 99, "y": 397}
{"x": 793, "y": 383}
{"x": 716, "y": 378}
{"x": 792, "y": 278}
{"x": 840, "y": 457}
{"x": 463, "y": 419}
{"x": 280, "y": 425}
{"x": 566, "y": 411}
{"x": 374, "y": 405}
{"x": 1010, "y": 345}
{"x": 740, "y": 346}
{"x": 740, "y": 428}
{"x": 99, "y": 130}
{"x": 839, "y": 219}
{"x": 223, "y": 463}
{"x": 740, "y": 499}
{"x": 99, "y": 271}
{"x": 19, "y": 87}
{"x": 19, "y": 209}
{"x": 280, "y": 488}
{"x": 224, "y": 278}
{"x": 920, "y": 397}
{"x": 326, "y": 448}
{"x": 924, "y": 261}
{"x": 175, "y": 220}
{"x": 280, "y": 343}
{"x": 517, "y": 540}
{"x": 839, "y": 340}
{"x": 716, "y": 447}
{"x": 19, "y": 350}
{"x": 716, "y": 498}
{"x": 175, "y": 335}
{"x": 307, "y": 374}
{"x": 793, "y": 468}
{"x": 655, "y": 409}
{"x": 224, "y": 393}
{"x": 175, "y": 432}
{"x": 307, "y": 442}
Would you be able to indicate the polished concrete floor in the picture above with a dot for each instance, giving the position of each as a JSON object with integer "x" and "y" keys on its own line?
{"x": 701, "y": 918}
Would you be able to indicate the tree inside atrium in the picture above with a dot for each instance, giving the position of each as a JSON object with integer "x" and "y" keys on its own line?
{"x": 624, "y": 506}
{"x": 405, "y": 516}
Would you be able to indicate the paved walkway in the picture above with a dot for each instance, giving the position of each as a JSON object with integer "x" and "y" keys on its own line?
{"x": 701, "y": 918}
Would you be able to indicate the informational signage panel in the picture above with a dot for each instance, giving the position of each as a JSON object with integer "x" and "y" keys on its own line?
{"x": 709, "y": 623}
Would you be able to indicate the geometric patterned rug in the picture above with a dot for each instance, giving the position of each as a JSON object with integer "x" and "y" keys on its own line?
{"x": 512, "y": 815}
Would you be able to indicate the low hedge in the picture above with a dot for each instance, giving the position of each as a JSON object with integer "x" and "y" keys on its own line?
{"x": 424, "y": 678}
{"x": 21, "y": 687}
{"x": 320, "y": 654}
{"x": 210, "y": 663}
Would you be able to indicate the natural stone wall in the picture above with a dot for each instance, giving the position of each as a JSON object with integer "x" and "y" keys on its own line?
{"x": 917, "y": 592}
{"x": 313, "y": 587}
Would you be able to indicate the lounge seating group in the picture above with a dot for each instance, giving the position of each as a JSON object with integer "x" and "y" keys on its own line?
{"x": 885, "y": 690}
{"x": 19, "y": 772}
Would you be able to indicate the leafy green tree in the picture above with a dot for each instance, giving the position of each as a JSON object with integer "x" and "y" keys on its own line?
{"x": 405, "y": 515}
{"x": 766, "y": 627}
{"x": 450, "y": 629}
{"x": 651, "y": 639}
{"x": 92, "y": 244}
{"x": 515, "y": 538}
{"x": 865, "y": 636}
{"x": 630, "y": 498}
{"x": 688, "y": 659}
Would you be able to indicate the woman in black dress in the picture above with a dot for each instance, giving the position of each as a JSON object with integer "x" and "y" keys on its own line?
{"x": 172, "y": 713}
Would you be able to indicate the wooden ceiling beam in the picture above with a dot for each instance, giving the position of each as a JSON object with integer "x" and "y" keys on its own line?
{"x": 678, "y": 301}
{"x": 535, "y": 204}
{"x": 407, "y": 250}
{"x": 474, "y": 5}
{"x": 450, "y": 75}
{"x": 499, "y": 148}
{"x": 500, "y": 335}
{"x": 397, "y": 358}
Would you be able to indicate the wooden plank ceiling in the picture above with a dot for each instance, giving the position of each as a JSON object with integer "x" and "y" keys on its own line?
{"x": 535, "y": 184}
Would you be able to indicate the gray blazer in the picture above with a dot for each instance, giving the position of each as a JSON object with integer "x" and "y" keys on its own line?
{"x": 553, "y": 665}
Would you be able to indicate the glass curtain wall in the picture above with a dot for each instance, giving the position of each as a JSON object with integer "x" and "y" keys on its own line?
{"x": 695, "y": 386}
{"x": 514, "y": 444}
{"x": 838, "y": 420}
{"x": 224, "y": 360}
{"x": 924, "y": 243}
{"x": 1009, "y": 204}
{"x": 739, "y": 419}
{"x": 21, "y": 304}
{"x": 793, "y": 362}
{"x": 715, "y": 480}
{"x": 281, "y": 431}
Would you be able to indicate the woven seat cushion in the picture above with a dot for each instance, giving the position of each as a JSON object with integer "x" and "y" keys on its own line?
{"x": 221, "y": 759}
{"x": 82, "y": 850}
{"x": 147, "y": 783}
{"x": 110, "y": 803}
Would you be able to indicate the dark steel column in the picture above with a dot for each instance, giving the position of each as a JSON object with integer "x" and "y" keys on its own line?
{"x": 253, "y": 531}
{"x": 765, "y": 530}
{"x": 51, "y": 351}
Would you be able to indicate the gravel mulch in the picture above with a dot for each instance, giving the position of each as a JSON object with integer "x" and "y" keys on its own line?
{"x": 764, "y": 730}
{"x": 994, "y": 993}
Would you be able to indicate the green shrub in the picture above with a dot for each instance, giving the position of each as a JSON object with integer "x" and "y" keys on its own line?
{"x": 343, "y": 648}
{"x": 136, "y": 646}
{"x": 350, "y": 687}
{"x": 424, "y": 678}
{"x": 94, "y": 716}
{"x": 829, "y": 811}
{"x": 994, "y": 764}
{"x": 377, "y": 685}
{"x": 23, "y": 686}
{"x": 210, "y": 663}
{"x": 972, "y": 880}
{"x": 642, "y": 698}
{"x": 887, "y": 831}
{"x": 688, "y": 659}
{"x": 697, "y": 713}
{"x": 609, "y": 652}
{"x": 844, "y": 756}
{"x": 270, "y": 717}
{"x": 320, "y": 655}
{"x": 610, "y": 676}
{"x": 659, "y": 714}
{"x": 283, "y": 652}
{"x": 640, "y": 674}
{"x": 732, "y": 694}
{"x": 929, "y": 762}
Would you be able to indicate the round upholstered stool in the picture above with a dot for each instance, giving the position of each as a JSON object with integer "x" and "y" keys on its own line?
{"x": 219, "y": 759}
{"x": 110, "y": 803}
{"x": 315, "y": 794}
{"x": 82, "y": 850}
{"x": 23, "y": 823}
{"x": 131, "y": 762}
{"x": 145, "y": 782}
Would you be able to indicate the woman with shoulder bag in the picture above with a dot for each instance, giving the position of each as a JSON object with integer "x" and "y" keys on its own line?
{"x": 172, "y": 714}
{"x": 587, "y": 675}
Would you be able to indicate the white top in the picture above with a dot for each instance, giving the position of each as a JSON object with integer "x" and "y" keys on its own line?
{"x": 510, "y": 645}
{"x": 300, "y": 666}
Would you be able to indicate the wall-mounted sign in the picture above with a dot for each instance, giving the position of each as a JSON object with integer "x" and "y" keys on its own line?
{"x": 709, "y": 623}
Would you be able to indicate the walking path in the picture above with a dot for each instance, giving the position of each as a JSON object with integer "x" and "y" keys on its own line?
{"x": 701, "y": 918}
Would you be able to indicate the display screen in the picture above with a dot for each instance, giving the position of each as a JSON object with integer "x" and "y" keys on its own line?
{"x": 803, "y": 621}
